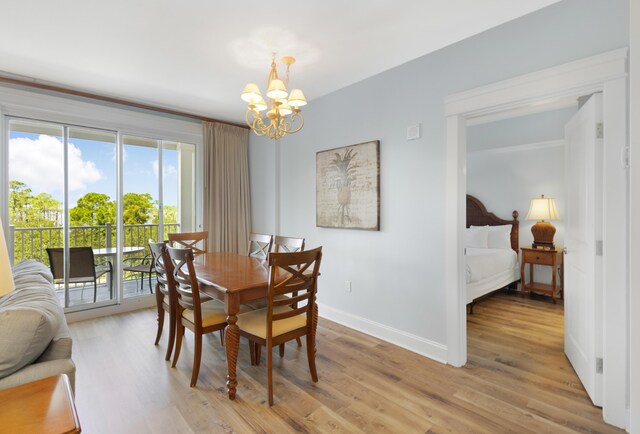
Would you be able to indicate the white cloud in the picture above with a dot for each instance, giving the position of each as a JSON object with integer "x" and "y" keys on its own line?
{"x": 39, "y": 163}
{"x": 168, "y": 169}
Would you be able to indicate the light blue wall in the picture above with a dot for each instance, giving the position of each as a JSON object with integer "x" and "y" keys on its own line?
{"x": 398, "y": 273}
{"x": 523, "y": 130}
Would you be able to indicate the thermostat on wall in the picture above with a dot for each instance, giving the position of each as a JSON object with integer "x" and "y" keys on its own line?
{"x": 413, "y": 132}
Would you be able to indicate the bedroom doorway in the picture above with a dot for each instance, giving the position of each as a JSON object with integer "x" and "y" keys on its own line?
{"x": 604, "y": 73}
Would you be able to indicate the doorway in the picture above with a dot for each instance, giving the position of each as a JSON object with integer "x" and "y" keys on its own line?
{"x": 602, "y": 73}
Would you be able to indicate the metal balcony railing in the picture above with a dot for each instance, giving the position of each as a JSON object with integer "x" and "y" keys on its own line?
{"x": 31, "y": 243}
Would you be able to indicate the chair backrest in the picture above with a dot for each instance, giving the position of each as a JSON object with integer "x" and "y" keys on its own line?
{"x": 260, "y": 245}
{"x": 196, "y": 241}
{"x": 288, "y": 244}
{"x": 187, "y": 288}
{"x": 295, "y": 276}
{"x": 81, "y": 262}
{"x": 163, "y": 268}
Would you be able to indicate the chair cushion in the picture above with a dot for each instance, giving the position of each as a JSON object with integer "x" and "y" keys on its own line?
{"x": 212, "y": 313}
{"x": 255, "y": 322}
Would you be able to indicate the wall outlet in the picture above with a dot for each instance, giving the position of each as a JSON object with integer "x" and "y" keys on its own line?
{"x": 347, "y": 285}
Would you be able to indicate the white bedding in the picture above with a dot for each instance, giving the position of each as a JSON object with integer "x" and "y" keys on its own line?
{"x": 489, "y": 269}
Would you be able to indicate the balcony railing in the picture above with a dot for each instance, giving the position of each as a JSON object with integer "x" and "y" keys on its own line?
{"x": 31, "y": 243}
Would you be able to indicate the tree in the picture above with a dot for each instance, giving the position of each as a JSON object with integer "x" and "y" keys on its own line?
{"x": 93, "y": 209}
{"x": 27, "y": 210}
{"x": 138, "y": 208}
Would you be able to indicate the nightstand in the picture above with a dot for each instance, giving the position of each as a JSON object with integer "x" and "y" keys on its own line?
{"x": 552, "y": 258}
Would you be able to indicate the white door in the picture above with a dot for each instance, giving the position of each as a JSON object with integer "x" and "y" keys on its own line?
{"x": 583, "y": 260}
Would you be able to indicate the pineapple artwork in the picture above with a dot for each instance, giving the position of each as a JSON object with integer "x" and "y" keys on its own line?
{"x": 347, "y": 187}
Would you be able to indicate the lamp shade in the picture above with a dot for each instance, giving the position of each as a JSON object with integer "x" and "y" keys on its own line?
{"x": 543, "y": 208}
{"x": 260, "y": 105}
{"x": 297, "y": 98}
{"x": 6, "y": 276}
{"x": 251, "y": 93}
{"x": 277, "y": 89}
{"x": 285, "y": 109}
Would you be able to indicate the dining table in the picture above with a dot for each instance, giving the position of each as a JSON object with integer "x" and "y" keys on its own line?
{"x": 235, "y": 279}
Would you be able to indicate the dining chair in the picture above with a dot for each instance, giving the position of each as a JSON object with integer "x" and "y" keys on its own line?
{"x": 196, "y": 241}
{"x": 82, "y": 267}
{"x": 287, "y": 244}
{"x": 165, "y": 292}
{"x": 143, "y": 265}
{"x": 260, "y": 245}
{"x": 191, "y": 313}
{"x": 278, "y": 323}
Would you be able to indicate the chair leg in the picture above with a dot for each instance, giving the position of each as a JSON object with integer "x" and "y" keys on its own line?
{"x": 311, "y": 356}
{"x": 172, "y": 335}
{"x": 299, "y": 342}
{"x": 197, "y": 356}
{"x": 269, "y": 374}
{"x": 150, "y": 287}
{"x": 179, "y": 334}
{"x": 281, "y": 348}
{"x": 141, "y": 281}
{"x": 252, "y": 353}
{"x": 160, "y": 325}
{"x": 95, "y": 290}
{"x": 222, "y": 337}
{"x": 258, "y": 352}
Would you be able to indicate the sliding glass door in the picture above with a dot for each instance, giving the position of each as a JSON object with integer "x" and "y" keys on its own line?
{"x": 63, "y": 204}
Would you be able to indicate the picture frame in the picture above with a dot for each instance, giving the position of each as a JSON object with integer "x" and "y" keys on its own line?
{"x": 348, "y": 187}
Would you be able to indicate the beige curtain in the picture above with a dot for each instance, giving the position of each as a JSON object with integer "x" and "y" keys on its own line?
{"x": 227, "y": 202}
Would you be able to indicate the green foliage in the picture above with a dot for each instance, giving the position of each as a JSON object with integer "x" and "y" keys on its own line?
{"x": 88, "y": 220}
{"x": 138, "y": 208}
{"x": 27, "y": 210}
{"x": 93, "y": 209}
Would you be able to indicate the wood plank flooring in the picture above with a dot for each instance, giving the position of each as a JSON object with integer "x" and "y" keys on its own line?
{"x": 517, "y": 380}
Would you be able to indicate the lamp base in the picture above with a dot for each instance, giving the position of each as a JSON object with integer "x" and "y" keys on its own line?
{"x": 543, "y": 233}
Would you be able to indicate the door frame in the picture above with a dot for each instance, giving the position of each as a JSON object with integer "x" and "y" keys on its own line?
{"x": 537, "y": 91}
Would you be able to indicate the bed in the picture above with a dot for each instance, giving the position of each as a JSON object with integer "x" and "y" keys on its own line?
{"x": 494, "y": 266}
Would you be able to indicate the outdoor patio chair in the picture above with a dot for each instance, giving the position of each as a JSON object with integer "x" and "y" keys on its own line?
{"x": 82, "y": 268}
{"x": 142, "y": 265}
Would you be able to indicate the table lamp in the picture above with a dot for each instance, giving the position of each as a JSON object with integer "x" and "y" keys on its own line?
{"x": 543, "y": 209}
{"x": 6, "y": 275}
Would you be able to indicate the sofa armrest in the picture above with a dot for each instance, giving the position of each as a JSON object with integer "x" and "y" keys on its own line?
{"x": 38, "y": 371}
{"x": 57, "y": 349}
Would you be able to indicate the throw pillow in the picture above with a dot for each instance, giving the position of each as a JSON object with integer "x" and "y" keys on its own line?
{"x": 24, "y": 335}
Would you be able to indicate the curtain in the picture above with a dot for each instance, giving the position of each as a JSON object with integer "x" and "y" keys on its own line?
{"x": 227, "y": 201}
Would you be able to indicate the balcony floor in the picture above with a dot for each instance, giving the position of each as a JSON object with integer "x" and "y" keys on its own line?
{"x": 78, "y": 297}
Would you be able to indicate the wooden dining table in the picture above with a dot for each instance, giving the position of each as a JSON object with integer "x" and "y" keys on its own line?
{"x": 235, "y": 279}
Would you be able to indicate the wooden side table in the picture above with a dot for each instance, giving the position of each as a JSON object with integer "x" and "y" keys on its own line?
{"x": 552, "y": 258}
{"x": 42, "y": 406}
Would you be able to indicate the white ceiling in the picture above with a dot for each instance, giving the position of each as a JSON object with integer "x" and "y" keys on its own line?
{"x": 196, "y": 55}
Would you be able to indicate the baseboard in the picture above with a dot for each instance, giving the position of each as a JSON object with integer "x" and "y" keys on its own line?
{"x": 411, "y": 342}
{"x": 128, "y": 305}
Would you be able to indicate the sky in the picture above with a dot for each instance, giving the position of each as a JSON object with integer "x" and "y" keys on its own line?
{"x": 38, "y": 161}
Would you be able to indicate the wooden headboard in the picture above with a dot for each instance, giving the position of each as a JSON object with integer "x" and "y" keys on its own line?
{"x": 477, "y": 215}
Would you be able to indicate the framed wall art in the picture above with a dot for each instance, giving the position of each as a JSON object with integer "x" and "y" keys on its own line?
{"x": 348, "y": 187}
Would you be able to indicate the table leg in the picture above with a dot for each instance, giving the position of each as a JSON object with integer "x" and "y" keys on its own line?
{"x": 232, "y": 343}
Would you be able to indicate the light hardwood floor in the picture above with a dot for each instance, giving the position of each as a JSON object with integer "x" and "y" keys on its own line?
{"x": 517, "y": 381}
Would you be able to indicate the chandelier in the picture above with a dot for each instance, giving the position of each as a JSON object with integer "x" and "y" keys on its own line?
{"x": 283, "y": 116}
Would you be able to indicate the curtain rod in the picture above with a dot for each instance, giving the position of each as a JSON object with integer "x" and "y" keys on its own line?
{"x": 113, "y": 100}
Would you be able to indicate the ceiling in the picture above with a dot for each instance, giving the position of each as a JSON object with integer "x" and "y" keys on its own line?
{"x": 196, "y": 56}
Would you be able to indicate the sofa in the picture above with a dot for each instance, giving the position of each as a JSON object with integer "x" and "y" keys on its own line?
{"x": 35, "y": 342}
